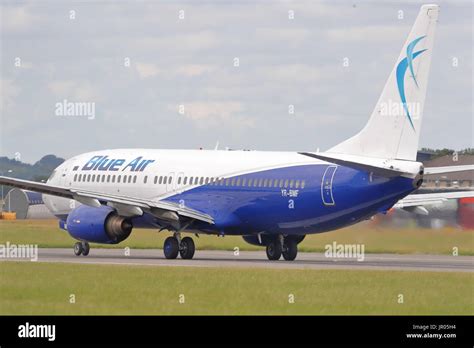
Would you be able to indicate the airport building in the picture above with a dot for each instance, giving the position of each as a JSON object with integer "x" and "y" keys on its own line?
{"x": 453, "y": 180}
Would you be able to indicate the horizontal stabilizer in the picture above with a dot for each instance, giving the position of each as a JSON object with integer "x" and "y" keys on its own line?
{"x": 422, "y": 199}
{"x": 448, "y": 169}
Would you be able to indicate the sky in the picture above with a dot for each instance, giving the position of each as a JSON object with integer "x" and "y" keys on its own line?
{"x": 261, "y": 75}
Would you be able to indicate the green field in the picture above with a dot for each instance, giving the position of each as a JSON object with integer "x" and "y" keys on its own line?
{"x": 45, "y": 288}
{"x": 46, "y": 233}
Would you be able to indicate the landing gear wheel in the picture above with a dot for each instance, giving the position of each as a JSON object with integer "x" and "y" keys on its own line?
{"x": 274, "y": 250}
{"x": 85, "y": 248}
{"x": 187, "y": 248}
{"x": 290, "y": 250}
{"x": 171, "y": 248}
{"x": 78, "y": 249}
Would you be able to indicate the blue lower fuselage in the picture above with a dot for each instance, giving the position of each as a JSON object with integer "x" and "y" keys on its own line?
{"x": 332, "y": 197}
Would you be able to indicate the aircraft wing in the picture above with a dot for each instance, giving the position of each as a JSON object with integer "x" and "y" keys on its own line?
{"x": 125, "y": 205}
{"x": 422, "y": 199}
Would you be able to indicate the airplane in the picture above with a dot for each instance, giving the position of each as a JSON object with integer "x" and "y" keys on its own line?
{"x": 271, "y": 199}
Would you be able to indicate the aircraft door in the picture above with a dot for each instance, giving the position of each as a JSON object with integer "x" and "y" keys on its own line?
{"x": 326, "y": 185}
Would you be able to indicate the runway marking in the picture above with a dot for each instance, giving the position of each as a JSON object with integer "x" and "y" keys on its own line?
{"x": 252, "y": 259}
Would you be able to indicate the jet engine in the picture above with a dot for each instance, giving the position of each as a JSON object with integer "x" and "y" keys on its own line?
{"x": 98, "y": 225}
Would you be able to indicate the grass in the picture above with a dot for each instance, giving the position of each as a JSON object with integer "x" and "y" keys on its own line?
{"x": 46, "y": 233}
{"x": 45, "y": 288}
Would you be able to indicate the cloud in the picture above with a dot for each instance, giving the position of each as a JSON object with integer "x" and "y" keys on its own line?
{"x": 8, "y": 92}
{"x": 146, "y": 70}
{"x": 290, "y": 35}
{"x": 214, "y": 114}
{"x": 191, "y": 70}
{"x": 369, "y": 33}
{"x": 74, "y": 90}
{"x": 291, "y": 73}
{"x": 194, "y": 41}
{"x": 17, "y": 19}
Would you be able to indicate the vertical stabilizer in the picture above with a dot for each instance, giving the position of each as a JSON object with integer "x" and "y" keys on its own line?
{"x": 393, "y": 130}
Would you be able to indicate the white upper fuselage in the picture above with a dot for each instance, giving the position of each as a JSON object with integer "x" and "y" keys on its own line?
{"x": 177, "y": 166}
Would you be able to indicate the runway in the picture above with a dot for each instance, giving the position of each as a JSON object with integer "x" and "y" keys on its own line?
{"x": 257, "y": 259}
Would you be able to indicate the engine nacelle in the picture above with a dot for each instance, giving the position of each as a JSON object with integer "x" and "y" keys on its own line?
{"x": 98, "y": 225}
{"x": 266, "y": 239}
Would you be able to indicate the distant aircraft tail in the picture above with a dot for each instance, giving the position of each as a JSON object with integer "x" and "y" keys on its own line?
{"x": 393, "y": 130}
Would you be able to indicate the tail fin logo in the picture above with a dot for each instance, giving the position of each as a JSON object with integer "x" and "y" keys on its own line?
{"x": 407, "y": 63}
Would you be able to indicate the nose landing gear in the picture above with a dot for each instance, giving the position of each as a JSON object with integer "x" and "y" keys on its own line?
{"x": 81, "y": 248}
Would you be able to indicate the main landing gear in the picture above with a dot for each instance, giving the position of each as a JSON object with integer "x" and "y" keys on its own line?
{"x": 282, "y": 246}
{"x": 81, "y": 248}
{"x": 175, "y": 245}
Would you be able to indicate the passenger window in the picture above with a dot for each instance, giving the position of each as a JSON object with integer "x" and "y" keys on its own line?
{"x": 297, "y": 183}
{"x": 265, "y": 182}
{"x": 191, "y": 180}
{"x": 134, "y": 179}
{"x": 260, "y": 182}
{"x": 108, "y": 178}
{"x": 286, "y": 183}
{"x": 281, "y": 183}
{"x": 89, "y": 178}
{"x": 207, "y": 180}
{"x": 170, "y": 179}
{"x": 238, "y": 182}
{"x": 185, "y": 180}
{"x": 155, "y": 180}
{"x": 118, "y": 178}
{"x": 129, "y": 179}
{"x": 75, "y": 177}
{"x": 255, "y": 183}
{"x": 291, "y": 183}
{"x": 179, "y": 180}
{"x": 303, "y": 184}
{"x": 145, "y": 179}
{"x": 227, "y": 182}
{"x": 113, "y": 178}
{"x": 250, "y": 181}
{"x": 232, "y": 182}
{"x": 244, "y": 181}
